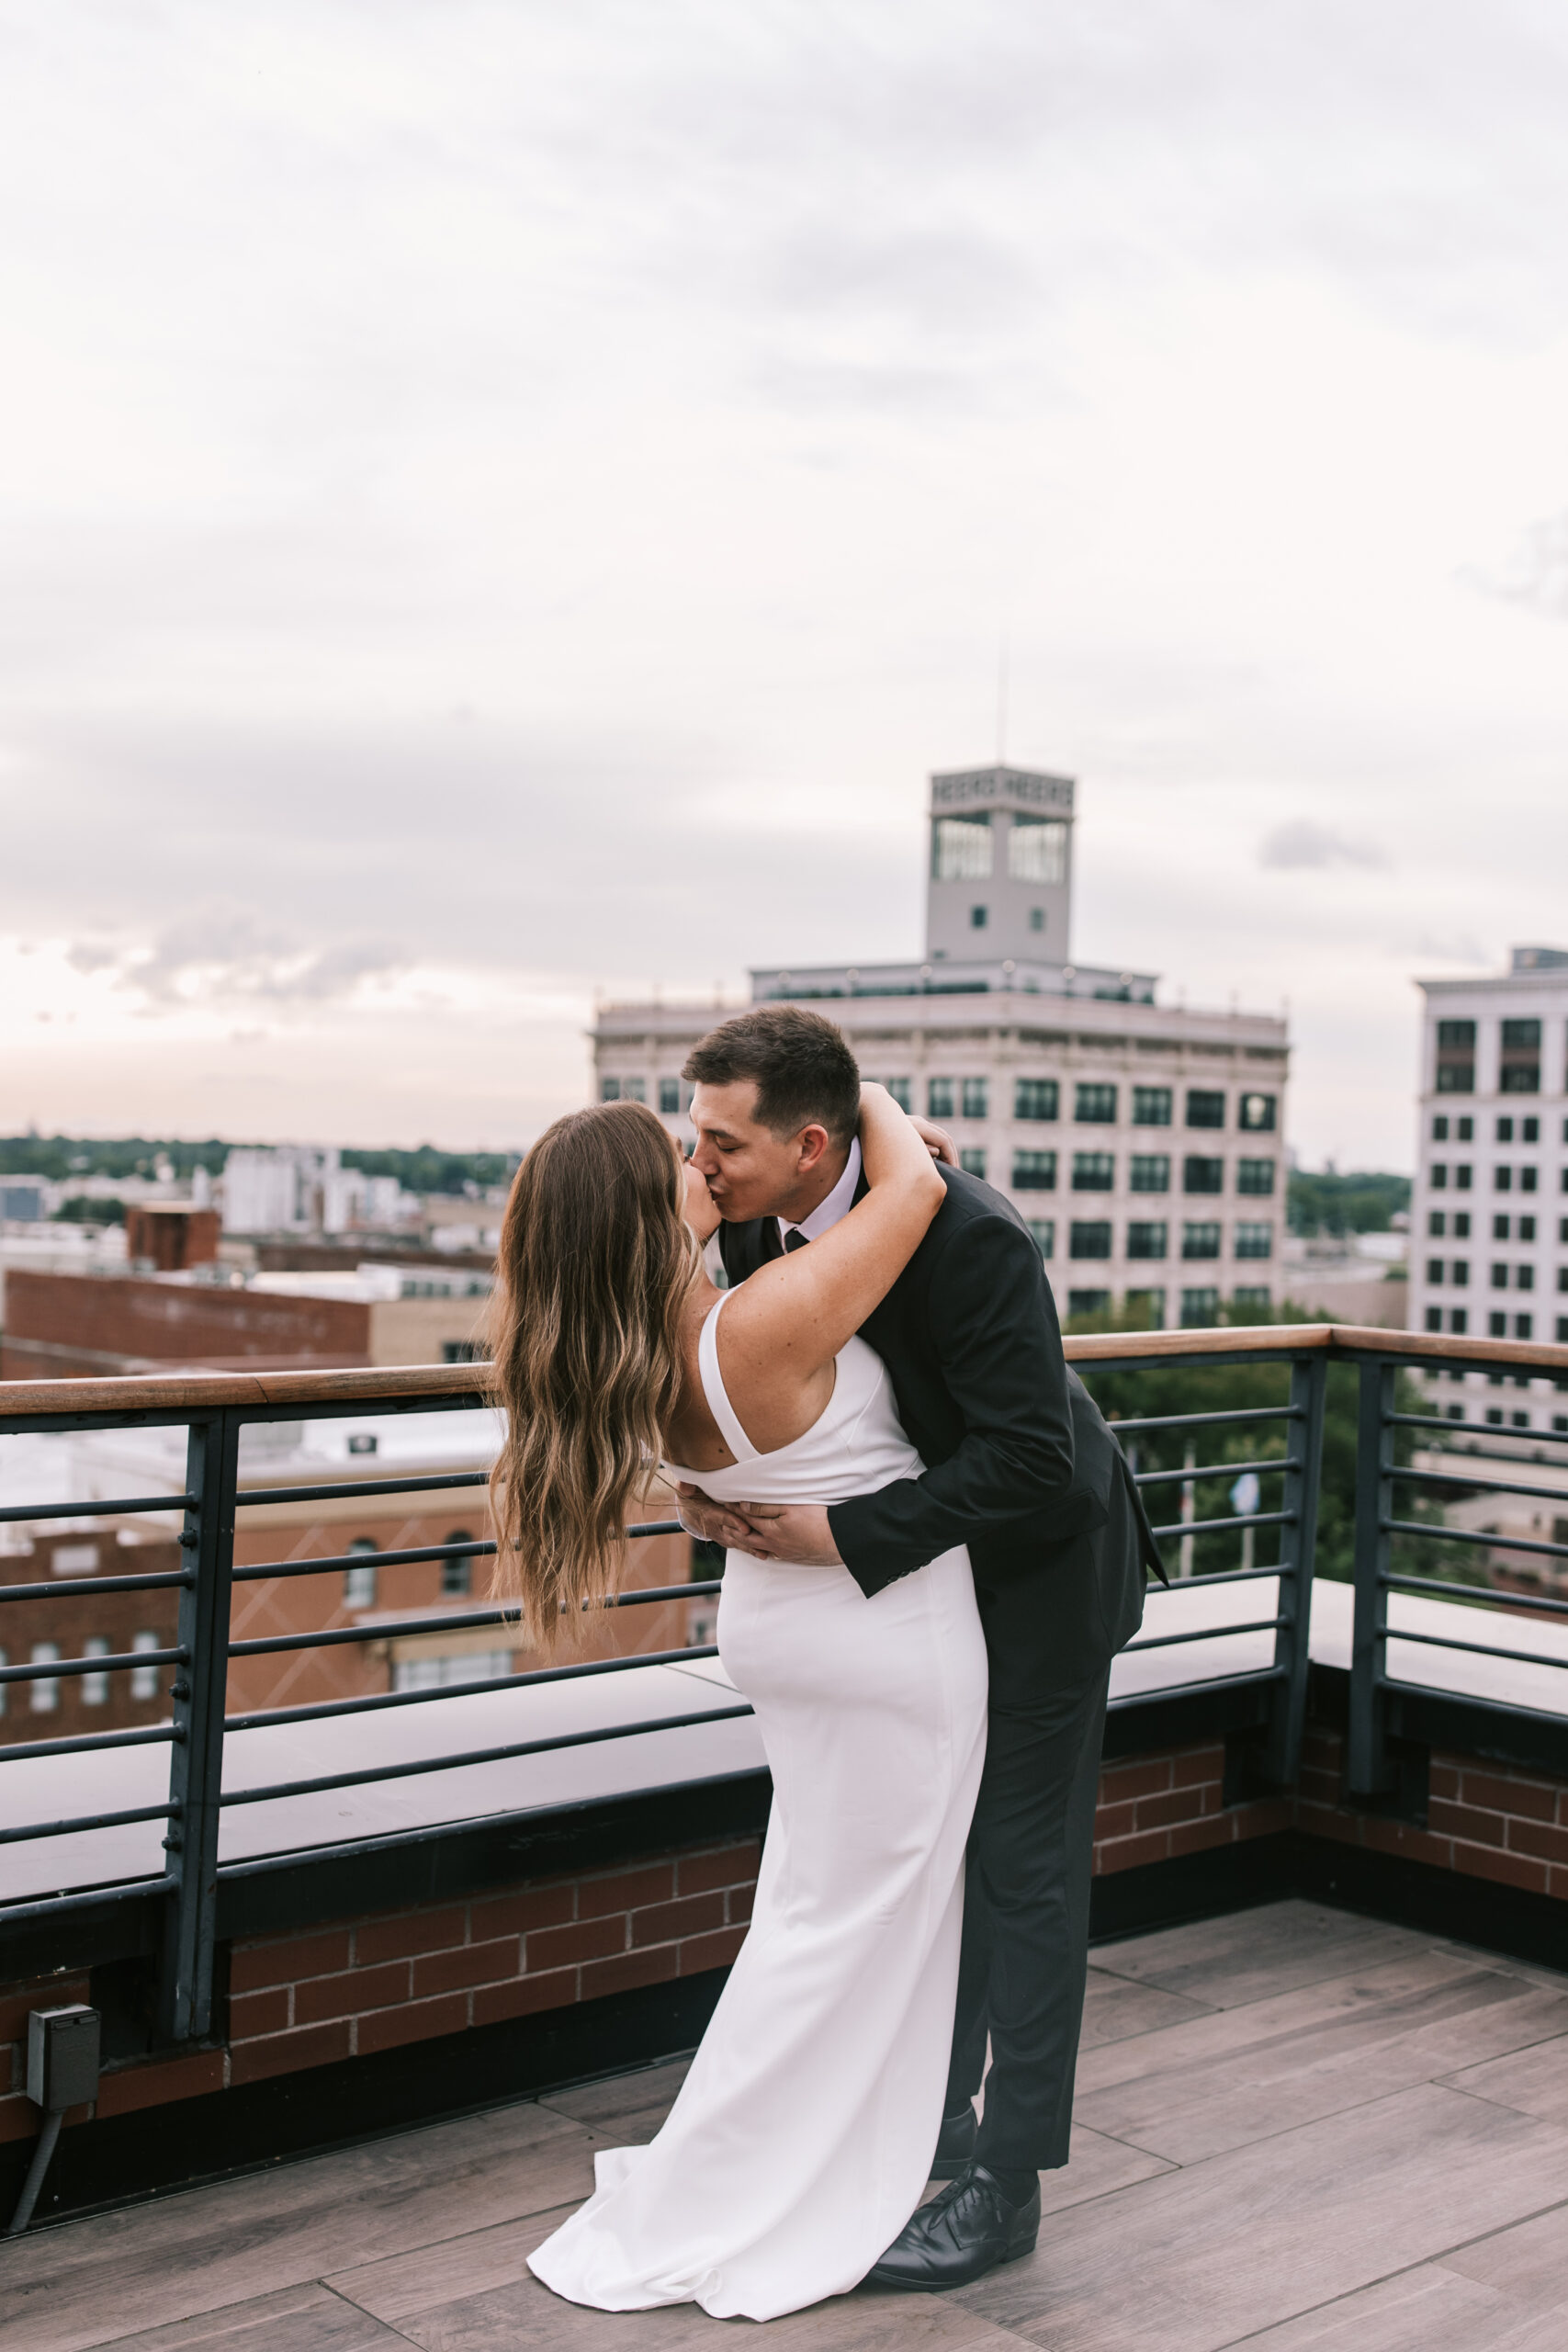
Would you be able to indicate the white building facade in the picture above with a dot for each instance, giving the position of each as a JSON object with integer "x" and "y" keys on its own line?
{"x": 1489, "y": 1217}
{"x": 1144, "y": 1145}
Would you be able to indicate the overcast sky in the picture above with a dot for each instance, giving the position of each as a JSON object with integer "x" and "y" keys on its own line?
{"x": 505, "y": 500}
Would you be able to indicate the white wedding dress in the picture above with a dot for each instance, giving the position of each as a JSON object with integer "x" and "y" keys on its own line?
{"x": 804, "y": 2133}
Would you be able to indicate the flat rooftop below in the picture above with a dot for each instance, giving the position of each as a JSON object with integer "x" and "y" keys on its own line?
{"x": 1297, "y": 2130}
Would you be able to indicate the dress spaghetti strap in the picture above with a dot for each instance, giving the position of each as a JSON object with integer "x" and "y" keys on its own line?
{"x": 719, "y": 1406}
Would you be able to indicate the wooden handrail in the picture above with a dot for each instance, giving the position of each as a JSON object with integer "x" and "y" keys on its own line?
{"x": 179, "y": 1392}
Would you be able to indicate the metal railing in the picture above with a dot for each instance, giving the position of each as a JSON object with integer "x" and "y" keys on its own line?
{"x": 215, "y": 1410}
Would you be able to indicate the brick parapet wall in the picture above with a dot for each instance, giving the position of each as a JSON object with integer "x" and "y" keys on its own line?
{"x": 363, "y": 1986}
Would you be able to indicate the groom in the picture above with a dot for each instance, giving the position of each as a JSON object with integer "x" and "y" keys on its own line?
{"x": 1023, "y": 1470}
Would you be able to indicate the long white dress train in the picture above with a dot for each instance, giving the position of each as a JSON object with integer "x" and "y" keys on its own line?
{"x": 804, "y": 2133}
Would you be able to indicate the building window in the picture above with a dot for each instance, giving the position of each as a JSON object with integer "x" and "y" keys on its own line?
{"x": 1527, "y": 1180}
{"x": 1524, "y": 1278}
{"x": 1438, "y": 1176}
{"x": 458, "y": 1567}
{"x": 1527, "y": 1228}
{"x": 1254, "y": 1240}
{"x": 1501, "y": 1228}
{"x": 977, "y": 1098}
{"x": 1200, "y": 1240}
{"x": 1522, "y": 1037}
{"x": 1464, "y": 1130}
{"x": 1459, "y": 1273}
{"x": 670, "y": 1098}
{"x": 972, "y": 1160}
{"x": 1461, "y": 1225}
{"x": 1498, "y": 1327}
{"x": 1436, "y": 1223}
{"x": 95, "y": 1687}
{"x": 1255, "y": 1294}
{"x": 609, "y": 1089}
{"x": 1035, "y": 1172}
{"x": 1095, "y": 1106}
{"x": 359, "y": 1582}
{"x": 1202, "y": 1175}
{"x": 938, "y": 1098}
{"x": 1529, "y": 1131}
{"x": 1524, "y": 1327}
{"x": 1434, "y": 1270}
{"x": 1151, "y": 1106}
{"x": 634, "y": 1090}
{"x": 1151, "y": 1171}
{"x": 1146, "y": 1307}
{"x": 1094, "y": 1171}
{"x": 1037, "y": 917}
{"x": 1255, "y": 1176}
{"x": 1520, "y": 1078}
{"x": 1204, "y": 1107}
{"x": 902, "y": 1090}
{"x": 1035, "y": 1097}
{"x": 1440, "y": 1128}
{"x": 1462, "y": 1174}
{"x": 1499, "y": 1277}
{"x": 1088, "y": 1302}
{"x": 1459, "y": 1321}
{"x": 1147, "y": 1240}
{"x": 1503, "y": 1131}
{"x": 441, "y": 1673}
{"x": 1456, "y": 1037}
{"x": 1037, "y": 850}
{"x": 961, "y": 849}
{"x": 1456, "y": 1078}
{"x": 462, "y": 1352}
{"x": 1089, "y": 1240}
{"x": 1044, "y": 1229}
{"x": 45, "y": 1695}
{"x": 1256, "y": 1112}
{"x": 1434, "y": 1318}
{"x": 144, "y": 1678}
{"x": 978, "y": 918}
{"x": 1199, "y": 1308}
{"x": 1502, "y": 1179}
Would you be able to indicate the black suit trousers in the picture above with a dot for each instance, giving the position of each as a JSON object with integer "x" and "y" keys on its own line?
{"x": 1051, "y": 1638}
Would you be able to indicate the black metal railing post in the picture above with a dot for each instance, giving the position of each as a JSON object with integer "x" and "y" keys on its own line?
{"x": 1368, "y": 1774}
{"x": 1298, "y": 1557}
{"x": 195, "y": 1772}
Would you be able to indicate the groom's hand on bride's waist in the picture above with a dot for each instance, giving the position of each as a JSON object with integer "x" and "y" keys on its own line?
{"x": 737, "y": 1527}
{"x": 797, "y": 1534}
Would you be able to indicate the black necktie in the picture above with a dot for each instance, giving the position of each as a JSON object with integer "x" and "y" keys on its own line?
{"x": 796, "y": 1240}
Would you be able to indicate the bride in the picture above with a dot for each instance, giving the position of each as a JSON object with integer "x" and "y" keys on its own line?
{"x": 804, "y": 2133}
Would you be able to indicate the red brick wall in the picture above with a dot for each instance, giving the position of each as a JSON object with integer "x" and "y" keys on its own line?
{"x": 1485, "y": 1820}
{"x": 1156, "y": 1807}
{"x": 100, "y": 1315}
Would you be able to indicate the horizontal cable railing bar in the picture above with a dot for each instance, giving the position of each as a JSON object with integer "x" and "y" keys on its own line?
{"x": 1209, "y": 1420}
{"x": 1238, "y": 1520}
{"x": 1479, "y": 1486}
{"x": 88, "y": 1821}
{"x": 14, "y": 1511}
{"x": 1228, "y": 1575}
{"x": 458, "y": 1621}
{"x": 1493, "y": 1430}
{"x": 339, "y": 1562}
{"x": 1524, "y": 1603}
{"x": 87, "y": 1899}
{"x": 1477, "y": 1649}
{"x": 350, "y": 1489}
{"x": 84, "y": 1588}
{"x": 380, "y": 1700}
{"x": 118, "y": 1662}
{"x": 480, "y": 1756}
{"x": 147, "y": 1735}
{"x": 1473, "y": 1535}
{"x": 1212, "y": 1470}
{"x": 1206, "y": 1633}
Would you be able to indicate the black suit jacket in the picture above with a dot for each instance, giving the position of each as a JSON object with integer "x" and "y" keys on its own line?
{"x": 1019, "y": 1462}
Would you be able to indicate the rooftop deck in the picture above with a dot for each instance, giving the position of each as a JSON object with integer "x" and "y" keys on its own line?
{"x": 1296, "y": 2129}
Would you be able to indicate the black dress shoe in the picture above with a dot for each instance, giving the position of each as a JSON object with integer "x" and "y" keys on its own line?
{"x": 961, "y": 2234}
{"x": 956, "y": 2145}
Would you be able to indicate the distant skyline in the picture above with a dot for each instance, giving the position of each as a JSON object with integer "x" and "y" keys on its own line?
{"x": 501, "y": 501}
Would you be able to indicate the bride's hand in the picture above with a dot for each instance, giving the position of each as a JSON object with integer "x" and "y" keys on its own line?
{"x": 698, "y": 1206}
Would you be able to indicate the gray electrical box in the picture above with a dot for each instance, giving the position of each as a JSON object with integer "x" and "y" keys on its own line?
{"x": 62, "y": 2058}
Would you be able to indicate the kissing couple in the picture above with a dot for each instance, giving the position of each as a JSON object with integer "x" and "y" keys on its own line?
{"x": 935, "y": 1550}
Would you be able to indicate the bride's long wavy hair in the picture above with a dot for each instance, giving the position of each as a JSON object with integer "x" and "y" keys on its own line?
{"x": 585, "y": 1355}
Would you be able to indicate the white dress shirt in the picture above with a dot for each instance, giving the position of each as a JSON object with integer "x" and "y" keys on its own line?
{"x": 826, "y": 1213}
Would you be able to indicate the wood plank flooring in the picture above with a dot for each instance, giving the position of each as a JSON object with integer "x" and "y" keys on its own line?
{"x": 1297, "y": 2130}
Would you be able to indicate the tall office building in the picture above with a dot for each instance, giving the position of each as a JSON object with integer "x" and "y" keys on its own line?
{"x": 1489, "y": 1219}
{"x": 1144, "y": 1145}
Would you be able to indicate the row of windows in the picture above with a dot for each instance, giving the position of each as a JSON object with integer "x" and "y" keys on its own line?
{"x": 360, "y": 1581}
{"x": 1505, "y": 1227}
{"x": 1092, "y": 1238}
{"x": 1519, "y": 1068}
{"x": 1503, "y": 1277}
{"x": 1501, "y": 1177}
{"x": 43, "y": 1697}
{"x": 1522, "y": 1037}
{"x": 1199, "y": 1308}
{"x": 1094, "y": 1104}
{"x": 1499, "y": 1325}
{"x": 1503, "y": 1127}
{"x": 1147, "y": 1172}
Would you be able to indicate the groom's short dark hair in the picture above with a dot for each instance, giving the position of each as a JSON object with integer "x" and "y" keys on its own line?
{"x": 803, "y": 1070}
